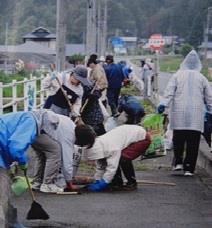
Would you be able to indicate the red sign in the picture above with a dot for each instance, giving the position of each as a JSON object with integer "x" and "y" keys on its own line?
{"x": 156, "y": 41}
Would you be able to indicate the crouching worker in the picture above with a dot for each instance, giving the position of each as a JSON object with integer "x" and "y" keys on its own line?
{"x": 113, "y": 153}
{"x": 132, "y": 107}
{"x": 51, "y": 135}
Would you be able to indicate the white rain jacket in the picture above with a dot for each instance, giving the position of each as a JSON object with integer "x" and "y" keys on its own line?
{"x": 107, "y": 149}
{"x": 187, "y": 94}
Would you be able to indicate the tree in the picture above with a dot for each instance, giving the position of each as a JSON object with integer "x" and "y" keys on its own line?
{"x": 186, "y": 48}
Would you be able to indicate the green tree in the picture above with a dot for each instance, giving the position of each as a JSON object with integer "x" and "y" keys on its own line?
{"x": 185, "y": 49}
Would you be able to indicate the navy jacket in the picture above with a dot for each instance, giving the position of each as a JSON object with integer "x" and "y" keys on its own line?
{"x": 114, "y": 74}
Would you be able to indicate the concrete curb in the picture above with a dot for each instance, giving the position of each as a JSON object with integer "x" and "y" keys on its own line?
{"x": 4, "y": 198}
{"x": 205, "y": 157}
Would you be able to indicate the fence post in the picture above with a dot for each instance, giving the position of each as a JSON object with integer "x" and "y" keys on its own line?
{"x": 25, "y": 95}
{"x": 35, "y": 92}
{"x": 1, "y": 98}
{"x": 14, "y": 95}
{"x": 41, "y": 92}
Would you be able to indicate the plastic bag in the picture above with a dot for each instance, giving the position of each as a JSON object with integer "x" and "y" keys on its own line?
{"x": 19, "y": 185}
{"x": 153, "y": 123}
{"x": 110, "y": 124}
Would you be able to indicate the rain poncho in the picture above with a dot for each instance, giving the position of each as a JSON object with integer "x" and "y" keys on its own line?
{"x": 187, "y": 93}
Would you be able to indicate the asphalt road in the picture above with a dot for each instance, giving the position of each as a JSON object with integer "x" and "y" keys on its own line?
{"x": 188, "y": 204}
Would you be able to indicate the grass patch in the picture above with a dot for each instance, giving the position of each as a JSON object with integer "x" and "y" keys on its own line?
{"x": 170, "y": 63}
{"x": 130, "y": 90}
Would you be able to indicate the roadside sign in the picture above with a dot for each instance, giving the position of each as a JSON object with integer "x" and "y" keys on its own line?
{"x": 156, "y": 41}
{"x": 117, "y": 41}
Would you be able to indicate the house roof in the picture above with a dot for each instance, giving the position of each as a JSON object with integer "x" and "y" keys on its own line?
{"x": 39, "y": 32}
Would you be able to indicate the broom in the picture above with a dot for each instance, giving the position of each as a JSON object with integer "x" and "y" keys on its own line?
{"x": 36, "y": 211}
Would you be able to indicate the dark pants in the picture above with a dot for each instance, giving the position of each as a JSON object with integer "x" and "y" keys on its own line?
{"x": 191, "y": 139}
{"x": 130, "y": 153}
{"x": 113, "y": 96}
{"x": 126, "y": 166}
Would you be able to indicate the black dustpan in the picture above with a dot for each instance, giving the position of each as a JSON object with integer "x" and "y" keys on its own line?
{"x": 36, "y": 211}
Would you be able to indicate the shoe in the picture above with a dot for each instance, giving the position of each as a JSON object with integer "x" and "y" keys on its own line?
{"x": 130, "y": 187}
{"x": 36, "y": 186}
{"x": 178, "y": 167}
{"x": 116, "y": 187}
{"x": 50, "y": 188}
{"x": 188, "y": 174}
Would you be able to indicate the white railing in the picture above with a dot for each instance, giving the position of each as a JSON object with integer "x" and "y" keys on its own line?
{"x": 24, "y": 95}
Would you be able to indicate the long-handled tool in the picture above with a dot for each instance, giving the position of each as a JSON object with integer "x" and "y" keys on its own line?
{"x": 148, "y": 182}
{"x": 36, "y": 211}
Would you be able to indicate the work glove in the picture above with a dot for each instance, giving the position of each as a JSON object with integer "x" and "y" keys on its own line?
{"x": 96, "y": 186}
{"x": 161, "y": 108}
{"x": 23, "y": 167}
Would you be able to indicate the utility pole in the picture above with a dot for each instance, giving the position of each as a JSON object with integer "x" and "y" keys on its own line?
{"x": 207, "y": 31}
{"x": 104, "y": 35}
{"x": 101, "y": 27}
{"x": 6, "y": 45}
{"x": 61, "y": 35}
{"x": 91, "y": 39}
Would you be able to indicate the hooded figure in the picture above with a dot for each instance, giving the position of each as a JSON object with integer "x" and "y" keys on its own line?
{"x": 187, "y": 93}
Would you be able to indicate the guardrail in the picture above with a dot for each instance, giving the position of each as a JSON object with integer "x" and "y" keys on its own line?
{"x": 24, "y": 95}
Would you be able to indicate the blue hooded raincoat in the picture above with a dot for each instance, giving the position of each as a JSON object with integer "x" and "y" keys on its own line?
{"x": 17, "y": 132}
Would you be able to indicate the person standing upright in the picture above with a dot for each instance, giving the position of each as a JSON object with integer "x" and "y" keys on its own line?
{"x": 187, "y": 94}
{"x": 115, "y": 77}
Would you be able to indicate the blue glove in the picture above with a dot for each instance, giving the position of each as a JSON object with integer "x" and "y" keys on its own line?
{"x": 208, "y": 117}
{"x": 161, "y": 108}
{"x": 98, "y": 185}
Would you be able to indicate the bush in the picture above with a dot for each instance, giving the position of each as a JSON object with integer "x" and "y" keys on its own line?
{"x": 76, "y": 59}
{"x": 185, "y": 49}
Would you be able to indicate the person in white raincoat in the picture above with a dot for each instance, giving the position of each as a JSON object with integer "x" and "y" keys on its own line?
{"x": 187, "y": 94}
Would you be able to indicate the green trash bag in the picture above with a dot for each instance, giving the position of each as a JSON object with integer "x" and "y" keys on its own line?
{"x": 19, "y": 185}
{"x": 153, "y": 123}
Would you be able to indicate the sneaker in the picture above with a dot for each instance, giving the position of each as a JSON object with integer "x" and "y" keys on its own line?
{"x": 130, "y": 187}
{"x": 36, "y": 186}
{"x": 178, "y": 167}
{"x": 188, "y": 174}
{"x": 50, "y": 188}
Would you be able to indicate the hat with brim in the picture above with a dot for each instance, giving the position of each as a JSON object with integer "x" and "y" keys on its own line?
{"x": 80, "y": 72}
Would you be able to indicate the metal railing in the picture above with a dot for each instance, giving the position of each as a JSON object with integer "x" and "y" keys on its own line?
{"x": 23, "y": 95}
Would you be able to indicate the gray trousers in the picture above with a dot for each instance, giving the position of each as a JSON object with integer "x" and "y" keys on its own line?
{"x": 48, "y": 159}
